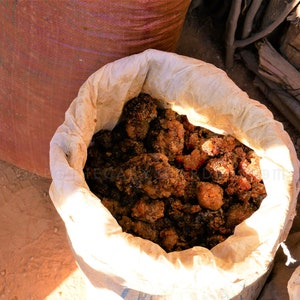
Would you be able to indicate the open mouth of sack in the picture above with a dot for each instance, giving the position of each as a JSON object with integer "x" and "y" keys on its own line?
{"x": 171, "y": 182}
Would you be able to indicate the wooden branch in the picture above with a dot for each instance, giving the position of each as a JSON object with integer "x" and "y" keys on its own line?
{"x": 248, "y": 23}
{"x": 277, "y": 69}
{"x": 271, "y": 12}
{"x": 290, "y": 44}
{"x": 231, "y": 26}
{"x": 288, "y": 106}
{"x": 281, "y": 100}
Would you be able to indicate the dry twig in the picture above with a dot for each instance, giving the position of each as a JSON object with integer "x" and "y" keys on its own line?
{"x": 231, "y": 26}
{"x": 247, "y": 29}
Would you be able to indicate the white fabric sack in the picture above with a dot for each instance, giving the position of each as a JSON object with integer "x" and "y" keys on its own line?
{"x": 118, "y": 265}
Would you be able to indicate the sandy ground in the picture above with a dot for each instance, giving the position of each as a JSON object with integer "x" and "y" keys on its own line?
{"x": 35, "y": 258}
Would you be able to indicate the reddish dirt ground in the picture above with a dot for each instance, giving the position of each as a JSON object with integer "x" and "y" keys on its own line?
{"x": 36, "y": 261}
{"x": 35, "y": 258}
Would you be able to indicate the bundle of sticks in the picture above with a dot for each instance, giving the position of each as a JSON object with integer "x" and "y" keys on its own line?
{"x": 276, "y": 76}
